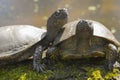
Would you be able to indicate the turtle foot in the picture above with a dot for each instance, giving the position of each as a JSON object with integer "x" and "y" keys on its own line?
{"x": 111, "y": 66}
{"x": 39, "y": 67}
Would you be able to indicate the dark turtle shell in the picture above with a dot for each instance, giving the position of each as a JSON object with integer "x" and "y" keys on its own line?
{"x": 17, "y": 38}
{"x": 99, "y": 30}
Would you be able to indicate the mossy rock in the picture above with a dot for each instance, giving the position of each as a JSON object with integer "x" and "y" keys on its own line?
{"x": 62, "y": 70}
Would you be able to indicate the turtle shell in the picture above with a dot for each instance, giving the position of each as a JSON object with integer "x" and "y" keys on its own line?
{"x": 16, "y": 38}
{"x": 99, "y": 30}
{"x": 68, "y": 31}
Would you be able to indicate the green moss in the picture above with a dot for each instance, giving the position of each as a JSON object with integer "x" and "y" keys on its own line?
{"x": 59, "y": 71}
{"x": 98, "y": 75}
{"x": 21, "y": 71}
{"x": 112, "y": 74}
{"x": 23, "y": 77}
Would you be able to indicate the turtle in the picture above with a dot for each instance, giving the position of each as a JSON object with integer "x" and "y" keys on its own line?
{"x": 54, "y": 25}
{"x": 81, "y": 39}
{"x": 16, "y": 42}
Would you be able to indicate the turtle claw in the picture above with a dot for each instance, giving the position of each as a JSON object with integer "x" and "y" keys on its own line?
{"x": 39, "y": 68}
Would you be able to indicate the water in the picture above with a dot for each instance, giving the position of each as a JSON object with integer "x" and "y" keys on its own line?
{"x": 36, "y": 12}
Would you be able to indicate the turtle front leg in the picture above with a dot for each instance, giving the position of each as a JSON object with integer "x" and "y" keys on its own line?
{"x": 51, "y": 55}
{"x": 37, "y": 60}
{"x": 111, "y": 55}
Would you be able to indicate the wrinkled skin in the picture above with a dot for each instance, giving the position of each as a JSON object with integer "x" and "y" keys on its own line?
{"x": 84, "y": 45}
{"x": 54, "y": 26}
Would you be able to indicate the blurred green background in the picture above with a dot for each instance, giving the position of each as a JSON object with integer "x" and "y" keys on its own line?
{"x": 36, "y": 12}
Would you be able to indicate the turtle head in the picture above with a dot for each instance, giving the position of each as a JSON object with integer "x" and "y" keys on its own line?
{"x": 56, "y": 21}
{"x": 60, "y": 14}
{"x": 84, "y": 29}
